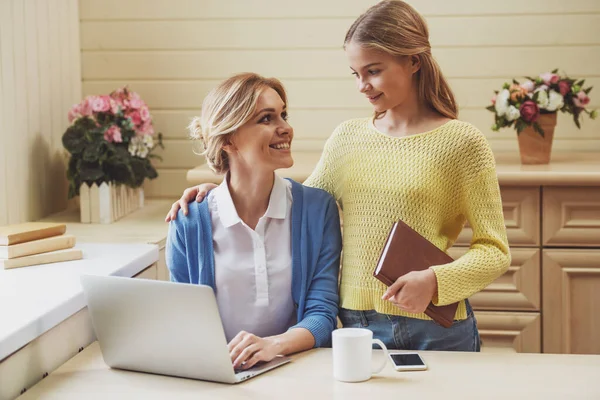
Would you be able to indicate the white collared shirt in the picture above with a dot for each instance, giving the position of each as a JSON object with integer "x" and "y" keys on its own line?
{"x": 253, "y": 268}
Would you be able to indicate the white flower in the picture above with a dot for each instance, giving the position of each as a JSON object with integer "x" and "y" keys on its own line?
{"x": 148, "y": 141}
{"x": 132, "y": 148}
{"x": 142, "y": 151}
{"x": 555, "y": 101}
{"x": 542, "y": 99}
{"x": 512, "y": 113}
{"x": 528, "y": 85}
{"x": 138, "y": 148}
{"x": 501, "y": 105}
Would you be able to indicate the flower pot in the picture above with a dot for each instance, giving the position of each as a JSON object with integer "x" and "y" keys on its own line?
{"x": 534, "y": 148}
{"x": 107, "y": 203}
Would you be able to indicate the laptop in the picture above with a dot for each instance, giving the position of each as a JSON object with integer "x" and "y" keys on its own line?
{"x": 163, "y": 328}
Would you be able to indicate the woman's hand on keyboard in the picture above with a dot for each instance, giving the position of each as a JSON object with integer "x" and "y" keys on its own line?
{"x": 248, "y": 349}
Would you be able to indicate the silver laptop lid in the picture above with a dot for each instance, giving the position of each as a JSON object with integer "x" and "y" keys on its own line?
{"x": 159, "y": 327}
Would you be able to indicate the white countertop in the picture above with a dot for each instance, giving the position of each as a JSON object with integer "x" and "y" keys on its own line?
{"x": 35, "y": 299}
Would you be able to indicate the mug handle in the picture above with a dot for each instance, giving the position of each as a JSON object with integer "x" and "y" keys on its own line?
{"x": 385, "y": 357}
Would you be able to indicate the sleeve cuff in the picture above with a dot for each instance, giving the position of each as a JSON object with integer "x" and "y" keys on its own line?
{"x": 317, "y": 328}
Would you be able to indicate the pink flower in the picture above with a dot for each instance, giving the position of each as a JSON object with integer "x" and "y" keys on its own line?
{"x": 135, "y": 101}
{"x": 118, "y": 101}
{"x": 100, "y": 103}
{"x": 528, "y": 85}
{"x": 529, "y": 111}
{"x": 113, "y": 134}
{"x": 135, "y": 117}
{"x": 121, "y": 97}
{"x": 146, "y": 129}
{"x": 119, "y": 93}
{"x": 494, "y": 99}
{"x": 85, "y": 108}
{"x": 74, "y": 113}
{"x": 145, "y": 114}
{"x": 549, "y": 78}
{"x": 581, "y": 100}
{"x": 564, "y": 87}
{"x": 114, "y": 107}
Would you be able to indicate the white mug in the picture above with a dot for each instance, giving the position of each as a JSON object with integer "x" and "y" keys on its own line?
{"x": 353, "y": 353}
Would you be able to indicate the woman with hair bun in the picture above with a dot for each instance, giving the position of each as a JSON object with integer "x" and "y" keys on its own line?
{"x": 269, "y": 247}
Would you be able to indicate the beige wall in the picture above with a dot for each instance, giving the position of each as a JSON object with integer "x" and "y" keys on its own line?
{"x": 174, "y": 51}
{"x": 39, "y": 79}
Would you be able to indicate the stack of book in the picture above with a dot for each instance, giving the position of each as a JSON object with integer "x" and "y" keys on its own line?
{"x": 34, "y": 243}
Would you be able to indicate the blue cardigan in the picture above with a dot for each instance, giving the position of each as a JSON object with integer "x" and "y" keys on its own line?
{"x": 316, "y": 247}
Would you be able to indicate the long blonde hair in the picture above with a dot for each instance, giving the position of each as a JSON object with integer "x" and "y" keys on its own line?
{"x": 396, "y": 28}
{"x": 224, "y": 110}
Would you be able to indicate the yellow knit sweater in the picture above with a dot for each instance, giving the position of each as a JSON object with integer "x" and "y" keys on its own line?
{"x": 434, "y": 181}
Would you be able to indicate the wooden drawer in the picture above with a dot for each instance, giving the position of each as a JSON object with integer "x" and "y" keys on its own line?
{"x": 571, "y": 301}
{"x": 517, "y": 290}
{"x": 149, "y": 273}
{"x": 571, "y": 216}
{"x": 509, "y": 331}
{"x": 162, "y": 271}
{"x": 521, "y": 206}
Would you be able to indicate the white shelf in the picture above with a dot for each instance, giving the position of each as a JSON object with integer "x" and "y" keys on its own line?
{"x": 35, "y": 299}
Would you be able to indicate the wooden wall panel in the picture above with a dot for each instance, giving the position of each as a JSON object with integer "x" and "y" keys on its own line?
{"x": 174, "y": 52}
{"x": 253, "y": 33}
{"x": 40, "y": 79}
{"x": 242, "y": 9}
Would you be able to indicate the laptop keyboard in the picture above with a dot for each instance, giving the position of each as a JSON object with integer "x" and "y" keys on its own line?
{"x": 255, "y": 367}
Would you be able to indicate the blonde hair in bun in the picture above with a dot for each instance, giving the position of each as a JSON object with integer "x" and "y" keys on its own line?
{"x": 224, "y": 110}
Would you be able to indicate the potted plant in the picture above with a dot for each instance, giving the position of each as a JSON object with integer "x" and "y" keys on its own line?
{"x": 531, "y": 107}
{"x": 111, "y": 142}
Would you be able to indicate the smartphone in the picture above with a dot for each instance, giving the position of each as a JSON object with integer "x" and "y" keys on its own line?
{"x": 408, "y": 362}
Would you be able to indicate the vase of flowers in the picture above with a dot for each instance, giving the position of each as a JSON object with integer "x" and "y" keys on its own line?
{"x": 111, "y": 141}
{"x": 531, "y": 107}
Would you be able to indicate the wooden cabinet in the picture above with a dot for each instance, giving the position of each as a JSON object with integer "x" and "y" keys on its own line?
{"x": 549, "y": 299}
{"x": 509, "y": 331}
{"x": 517, "y": 290}
{"x": 571, "y": 301}
{"x": 508, "y": 310}
{"x": 572, "y": 216}
{"x": 521, "y": 207}
{"x": 571, "y": 269}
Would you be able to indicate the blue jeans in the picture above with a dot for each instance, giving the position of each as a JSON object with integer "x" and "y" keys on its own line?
{"x": 404, "y": 333}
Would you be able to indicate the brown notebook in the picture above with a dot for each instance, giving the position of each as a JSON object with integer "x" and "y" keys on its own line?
{"x": 406, "y": 250}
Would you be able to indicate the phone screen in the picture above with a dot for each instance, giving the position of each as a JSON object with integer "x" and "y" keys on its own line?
{"x": 406, "y": 359}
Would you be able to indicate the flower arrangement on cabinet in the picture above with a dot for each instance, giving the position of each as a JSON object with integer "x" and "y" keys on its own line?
{"x": 110, "y": 139}
{"x": 520, "y": 104}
